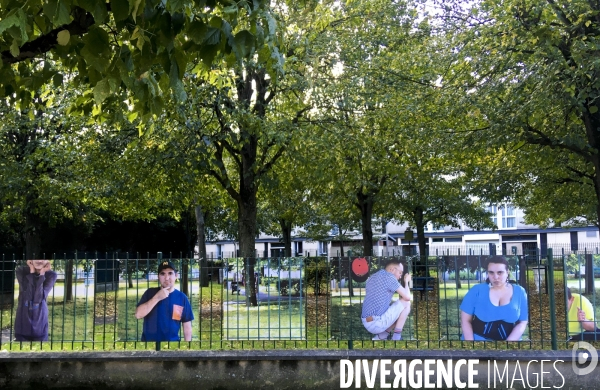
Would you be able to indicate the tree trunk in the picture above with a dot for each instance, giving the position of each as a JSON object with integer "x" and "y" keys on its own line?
{"x": 365, "y": 205}
{"x": 201, "y": 235}
{"x": 589, "y": 274}
{"x": 591, "y": 122}
{"x": 33, "y": 240}
{"x": 350, "y": 287}
{"x": 253, "y": 96}
{"x": 191, "y": 239}
{"x": 420, "y": 225}
{"x": 247, "y": 233}
{"x": 130, "y": 279}
{"x": 286, "y": 232}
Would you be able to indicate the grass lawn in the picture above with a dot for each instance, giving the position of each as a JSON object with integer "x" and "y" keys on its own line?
{"x": 106, "y": 320}
{"x": 278, "y": 320}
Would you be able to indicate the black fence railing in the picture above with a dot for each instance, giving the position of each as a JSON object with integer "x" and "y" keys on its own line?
{"x": 279, "y": 303}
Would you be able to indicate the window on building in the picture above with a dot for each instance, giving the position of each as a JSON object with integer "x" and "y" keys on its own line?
{"x": 591, "y": 233}
{"x": 494, "y": 211}
{"x": 298, "y": 248}
{"x": 322, "y": 247}
{"x": 453, "y": 239}
{"x": 520, "y": 237}
{"x": 431, "y": 228}
{"x": 437, "y": 239}
{"x": 509, "y": 217}
{"x": 543, "y": 244}
{"x": 574, "y": 241}
{"x": 277, "y": 249}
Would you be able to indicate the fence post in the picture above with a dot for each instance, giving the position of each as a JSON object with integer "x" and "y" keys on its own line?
{"x": 550, "y": 286}
{"x": 565, "y": 286}
{"x": 589, "y": 272}
{"x": 159, "y": 257}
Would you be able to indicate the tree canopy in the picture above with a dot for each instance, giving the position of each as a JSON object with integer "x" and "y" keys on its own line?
{"x": 527, "y": 71}
{"x": 128, "y": 54}
{"x": 313, "y": 114}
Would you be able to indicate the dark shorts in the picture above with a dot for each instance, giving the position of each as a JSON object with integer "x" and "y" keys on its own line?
{"x": 588, "y": 335}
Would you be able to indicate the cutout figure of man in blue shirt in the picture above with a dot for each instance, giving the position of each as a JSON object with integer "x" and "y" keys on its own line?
{"x": 164, "y": 309}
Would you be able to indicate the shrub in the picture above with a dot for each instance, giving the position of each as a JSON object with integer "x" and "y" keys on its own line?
{"x": 289, "y": 287}
{"x": 316, "y": 273}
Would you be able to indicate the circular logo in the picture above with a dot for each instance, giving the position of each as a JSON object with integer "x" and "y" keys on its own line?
{"x": 583, "y": 352}
{"x": 360, "y": 269}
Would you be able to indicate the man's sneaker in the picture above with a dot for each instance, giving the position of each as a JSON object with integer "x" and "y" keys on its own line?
{"x": 378, "y": 337}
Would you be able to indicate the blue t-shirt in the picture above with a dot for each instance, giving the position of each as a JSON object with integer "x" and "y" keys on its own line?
{"x": 159, "y": 324}
{"x": 477, "y": 302}
{"x": 380, "y": 287}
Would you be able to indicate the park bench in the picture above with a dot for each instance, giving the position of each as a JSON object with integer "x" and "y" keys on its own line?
{"x": 423, "y": 284}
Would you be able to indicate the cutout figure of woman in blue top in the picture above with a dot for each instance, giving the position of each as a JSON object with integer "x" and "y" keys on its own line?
{"x": 496, "y": 310}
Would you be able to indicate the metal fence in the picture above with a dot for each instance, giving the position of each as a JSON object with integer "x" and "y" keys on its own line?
{"x": 280, "y": 303}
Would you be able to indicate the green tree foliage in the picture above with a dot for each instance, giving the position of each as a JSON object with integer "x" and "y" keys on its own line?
{"x": 356, "y": 136}
{"x": 39, "y": 186}
{"x": 527, "y": 71}
{"x": 252, "y": 114}
{"x": 286, "y": 202}
{"x": 385, "y": 152}
{"x": 124, "y": 53}
{"x": 433, "y": 192}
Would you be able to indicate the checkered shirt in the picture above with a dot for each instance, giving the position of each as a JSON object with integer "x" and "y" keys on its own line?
{"x": 381, "y": 287}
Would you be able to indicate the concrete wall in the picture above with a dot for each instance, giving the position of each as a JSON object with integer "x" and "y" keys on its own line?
{"x": 305, "y": 369}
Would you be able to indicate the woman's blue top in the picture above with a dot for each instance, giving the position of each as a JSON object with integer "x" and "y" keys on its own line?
{"x": 477, "y": 302}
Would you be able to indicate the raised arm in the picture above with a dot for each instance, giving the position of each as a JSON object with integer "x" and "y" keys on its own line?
{"x": 25, "y": 277}
{"x": 21, "y": 273}
{"x": 47, "y": 279}
{"x": 142, "y": 310}
{"x": 404, "y": 292}
{"x": 42, "y": 284}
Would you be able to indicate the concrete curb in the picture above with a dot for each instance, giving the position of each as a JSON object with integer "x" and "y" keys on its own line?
{"x": 282, "y": 369}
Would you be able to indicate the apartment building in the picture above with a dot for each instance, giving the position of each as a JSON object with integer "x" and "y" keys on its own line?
{"x": 511, "y": 236}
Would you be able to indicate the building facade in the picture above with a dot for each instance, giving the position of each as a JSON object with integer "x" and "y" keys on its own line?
{"x": 512, "y": 236}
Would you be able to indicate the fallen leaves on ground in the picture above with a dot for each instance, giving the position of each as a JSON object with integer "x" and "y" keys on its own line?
{"x": 317, "y": 311}
{"x": 105, "y": 307}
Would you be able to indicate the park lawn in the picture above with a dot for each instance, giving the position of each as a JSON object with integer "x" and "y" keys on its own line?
{"x": 107, "y": 321}
{"x": 277, "y": 320}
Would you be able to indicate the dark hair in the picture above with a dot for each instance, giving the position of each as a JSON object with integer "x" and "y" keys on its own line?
{"x": 497, "y": 260}
{"x": 404, "y": 265}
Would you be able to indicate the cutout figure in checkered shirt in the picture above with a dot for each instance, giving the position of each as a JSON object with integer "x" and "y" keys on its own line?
{"x": 380, "y": 317}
